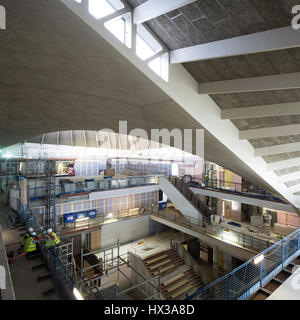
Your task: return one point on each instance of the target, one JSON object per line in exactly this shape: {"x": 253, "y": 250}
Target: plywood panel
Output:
{"x": 96, "y": 240}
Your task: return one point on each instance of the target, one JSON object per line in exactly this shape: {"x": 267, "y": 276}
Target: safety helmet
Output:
{"x": 33, "y": 233}
{"x": 30, "y": 229}
{"x": 49, "y": 230}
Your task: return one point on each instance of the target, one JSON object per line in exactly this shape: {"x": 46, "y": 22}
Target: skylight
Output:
{"x": 102, "y": 8}
{"x": 117, "y": 28}
{"x": 143, "y": 50}
{"x": 146, "y": 44}
{"x": 120, "y": 27}
{"x": 160, "y": 66}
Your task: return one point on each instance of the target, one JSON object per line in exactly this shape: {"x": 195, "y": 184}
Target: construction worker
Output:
{"x": 25, "y": 237}
{"x": 53, "y": 239}
{"x": 30, "y": 246}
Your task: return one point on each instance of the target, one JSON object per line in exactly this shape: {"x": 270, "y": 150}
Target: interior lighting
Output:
{"x": 259, "y": 259}
{"x": 77, "y": 294}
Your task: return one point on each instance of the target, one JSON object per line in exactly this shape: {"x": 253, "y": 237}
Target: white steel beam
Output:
{"x": 290, "y": 177}
{"x": 155, "y": 8}
{"x": 294, "y": 189}
{"x": 277, "y": 149}
{"x": 275, "y": 39}
{"x": 273, "y": 82}
{"x": 269, "y": 132}
{"x": 272, "y": 110}
{"x": 284, "y": 164}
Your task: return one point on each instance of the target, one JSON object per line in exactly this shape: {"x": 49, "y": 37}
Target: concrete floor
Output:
{"x": 156, "y": 243}
{"x": 246, "y": 227}
{"x": 23, "y": 277}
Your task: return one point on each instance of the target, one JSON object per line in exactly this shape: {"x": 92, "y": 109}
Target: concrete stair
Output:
{"x": 177, "y": 280}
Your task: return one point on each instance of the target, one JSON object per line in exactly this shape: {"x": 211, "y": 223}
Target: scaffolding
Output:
{"x": 112, "y": 260}
{"x": 50, "y": 214}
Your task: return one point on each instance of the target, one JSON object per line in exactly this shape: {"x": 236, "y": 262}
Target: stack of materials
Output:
{"x": 257, "y": 221}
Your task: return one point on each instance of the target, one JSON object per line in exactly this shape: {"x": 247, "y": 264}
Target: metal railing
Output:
{"x": 235, "y": 238}
{"x": 248, "y": 190}
{"x": 190, "y": 261}
{"x": 149, "y": 284}
{"x": 97, "y": 185}
{"x": 203, "y": 209}
{"x": 245, "y": 280}
{"x": 107, "y": 218}
{"x": 61, "y": 265}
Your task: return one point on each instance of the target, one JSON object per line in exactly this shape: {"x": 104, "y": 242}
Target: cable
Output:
{"x": 20, "y": 255}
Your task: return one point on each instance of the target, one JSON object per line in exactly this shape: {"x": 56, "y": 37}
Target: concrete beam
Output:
{"x": 290, "y": 177}
{"x": 275, "y": 39}
{"x": 155, "y": 8}
{"x": 273, "y": 82}
{"x": 233, "y": 249}
{"x": 281, "y": 131}
{"x": 284, "y": 164}
{"x": 277, "y": 149}
{"x": 246, "y": 200}
{"x": 272, "y": 110}
{"x": 294, "y": 189}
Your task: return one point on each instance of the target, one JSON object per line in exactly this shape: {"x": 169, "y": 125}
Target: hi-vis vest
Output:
{"x": 23, "y": 241}
{"x": 50, "y": 242}
{"x": 30, "y": 244}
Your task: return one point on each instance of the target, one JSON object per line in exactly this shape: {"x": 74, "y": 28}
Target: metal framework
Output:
{"x": 50, "y": 216}
{"x": 245, "y": 280}
{"x": 112, "y": 260}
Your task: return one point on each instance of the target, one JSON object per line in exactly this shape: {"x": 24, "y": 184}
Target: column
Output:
{"x": 216, "y": 261}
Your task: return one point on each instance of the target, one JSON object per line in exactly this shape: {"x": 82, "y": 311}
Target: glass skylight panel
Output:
{"x": 160, "y": 66}
{"x": 143, "y": 50}
{"x": 146, "y": 44}
{"x": 100, "y": 8}
{"x": 117, "y": 28}
{"x": 155, "y": 65}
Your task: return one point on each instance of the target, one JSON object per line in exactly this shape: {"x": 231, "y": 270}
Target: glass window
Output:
{"x": 143, "y": 50}
{"x": 117, "y": 28}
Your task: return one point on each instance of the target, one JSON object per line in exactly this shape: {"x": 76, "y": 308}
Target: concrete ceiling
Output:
{"x": 58, "y": 74}
{"x": 207, "y": 21}
{"x": 211, "y": 20}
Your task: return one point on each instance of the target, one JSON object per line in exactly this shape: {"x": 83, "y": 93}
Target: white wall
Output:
{"x": 126, "y": 231}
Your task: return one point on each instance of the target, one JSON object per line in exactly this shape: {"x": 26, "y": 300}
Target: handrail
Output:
{"x": 132, "y": 182}
{"x": 236, "y": 238}
{"x": 245, "y": 280}
{"x": 240, "y": 188}
{"x": 204, "y": 210}
{"x": 186, "y": 256}
{"x": 147, "y": 274}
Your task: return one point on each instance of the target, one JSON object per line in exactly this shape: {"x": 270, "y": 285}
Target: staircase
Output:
{"x": 204, "y": 211}
{"x": 176, "y": 279}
